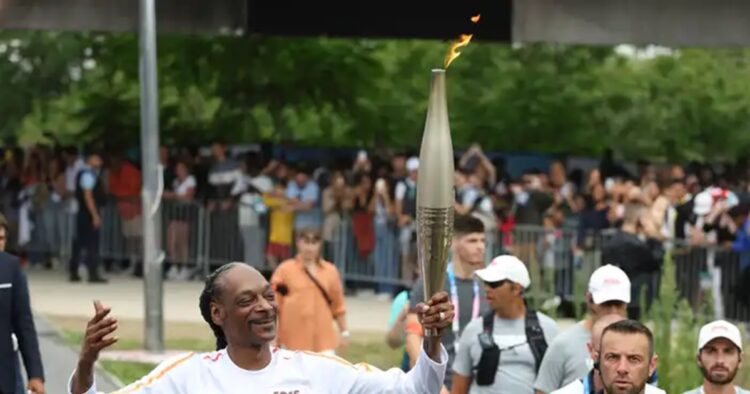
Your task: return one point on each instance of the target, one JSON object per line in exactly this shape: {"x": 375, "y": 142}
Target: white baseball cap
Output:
{"x": 719, "y": 329}
{"x": 505, "y": 267}
{"x": 412, "y": 164}
{"x": 609, "y": 283}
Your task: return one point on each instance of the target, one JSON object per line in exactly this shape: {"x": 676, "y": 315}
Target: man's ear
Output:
{"x": 652, "y": 366}
{"x": 589, "y": 302}
{"x": 590, "y": 347}
{"x": 217, "y": 314}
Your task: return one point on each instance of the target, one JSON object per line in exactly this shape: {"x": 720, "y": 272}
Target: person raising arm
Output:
{"x": 240, "y": 307}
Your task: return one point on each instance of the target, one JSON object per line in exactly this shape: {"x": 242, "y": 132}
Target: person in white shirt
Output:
{"x": 719, "y": 358}
{"x": 592, "y": 382}
{"x": 626, "y": 358}
{"x": 240, "y": 307}
{"x": 566, "y": 359}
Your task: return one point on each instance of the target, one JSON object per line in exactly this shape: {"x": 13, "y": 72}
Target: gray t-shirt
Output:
{"x": 517, "y": 370}
{"x": 565, "y": 360}
{"x": 699, "y": 390}
{"x": 465, "y": 289}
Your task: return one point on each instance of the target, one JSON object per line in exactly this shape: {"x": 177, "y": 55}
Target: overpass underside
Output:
{"x": 665, "y": 22}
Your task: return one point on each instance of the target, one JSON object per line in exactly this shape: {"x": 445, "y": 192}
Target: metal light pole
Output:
{"x": 152, "y": 180}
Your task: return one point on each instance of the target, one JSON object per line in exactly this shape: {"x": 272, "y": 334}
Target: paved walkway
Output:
{"x": 53, "y": 295}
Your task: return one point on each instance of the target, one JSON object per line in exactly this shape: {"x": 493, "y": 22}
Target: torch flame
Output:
{"x": 462, "y": 41}
{"x": 453, "y": 53}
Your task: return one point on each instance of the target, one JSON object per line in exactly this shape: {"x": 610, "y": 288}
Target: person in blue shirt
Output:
{"x": 396, "y": 336}
{"x": 304, "y": 195}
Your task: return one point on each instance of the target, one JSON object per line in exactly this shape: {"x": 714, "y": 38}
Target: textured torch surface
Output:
{"x": 435, "y": 195}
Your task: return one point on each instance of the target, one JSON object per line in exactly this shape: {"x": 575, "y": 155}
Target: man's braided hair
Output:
{"x": 210, "y": 293}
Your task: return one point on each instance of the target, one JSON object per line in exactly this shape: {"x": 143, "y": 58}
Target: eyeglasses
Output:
{"x": 495, "y": 285}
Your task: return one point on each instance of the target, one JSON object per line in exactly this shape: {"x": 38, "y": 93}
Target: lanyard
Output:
{"x": 588, "y": 383}
{"x": 454, "y": 300}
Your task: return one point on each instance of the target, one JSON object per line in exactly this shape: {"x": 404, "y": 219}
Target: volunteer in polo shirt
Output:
{"x": 566, "y": 359}
{"x": 719, "y": 358}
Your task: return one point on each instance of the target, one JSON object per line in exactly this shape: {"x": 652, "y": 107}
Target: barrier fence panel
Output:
{"x": 182, "y": 230}
{"x": 721, "y": 286}
{"x": 112, "y": 242}
{"x": 121, "y": 231}
{"x": 735, "y": 282}
{"x": 222, "y": 235}
{"x": 375, "y": 265}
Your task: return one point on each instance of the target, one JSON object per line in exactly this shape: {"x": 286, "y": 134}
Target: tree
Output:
{"x": 691, "y": 104}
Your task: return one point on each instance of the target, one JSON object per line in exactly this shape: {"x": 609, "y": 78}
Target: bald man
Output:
{"x": 583, "y": 385}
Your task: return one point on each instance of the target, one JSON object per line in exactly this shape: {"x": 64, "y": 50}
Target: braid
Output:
{"x": 209, "y": 294}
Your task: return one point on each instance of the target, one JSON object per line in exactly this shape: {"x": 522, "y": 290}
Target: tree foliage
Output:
{"x": 690, "y": 104}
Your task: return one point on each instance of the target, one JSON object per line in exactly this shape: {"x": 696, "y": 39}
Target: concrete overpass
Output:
{"x": 665, "y": 22}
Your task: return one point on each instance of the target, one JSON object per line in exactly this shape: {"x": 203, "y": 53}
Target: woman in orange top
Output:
{"x": 306, "y": 309}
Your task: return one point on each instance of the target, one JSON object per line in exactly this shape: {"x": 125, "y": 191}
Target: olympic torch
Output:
{"x": 435, "y": 192}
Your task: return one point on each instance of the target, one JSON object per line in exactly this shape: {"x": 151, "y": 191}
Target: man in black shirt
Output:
{"x": 636, "y": 249}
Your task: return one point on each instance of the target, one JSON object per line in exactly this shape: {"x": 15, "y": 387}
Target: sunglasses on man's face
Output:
{"x": 495, "y": 285}
{"x": 311, "y": 240}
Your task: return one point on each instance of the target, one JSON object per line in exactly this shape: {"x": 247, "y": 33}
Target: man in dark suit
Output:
{"x": 16, "y": 318}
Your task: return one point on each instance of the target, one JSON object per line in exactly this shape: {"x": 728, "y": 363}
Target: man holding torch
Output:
{"x": 240, "y": 307}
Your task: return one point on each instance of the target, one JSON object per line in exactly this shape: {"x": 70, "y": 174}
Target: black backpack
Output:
{"x": 490, "y": 359}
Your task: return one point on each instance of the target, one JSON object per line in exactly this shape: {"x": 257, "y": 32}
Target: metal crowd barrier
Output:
{"x": 204, "y": 236}
{"x": 379, "y": 269}
{"x": 183, "y": 232}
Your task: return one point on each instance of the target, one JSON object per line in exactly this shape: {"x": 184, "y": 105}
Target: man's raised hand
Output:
{"x": 98, "y": 333}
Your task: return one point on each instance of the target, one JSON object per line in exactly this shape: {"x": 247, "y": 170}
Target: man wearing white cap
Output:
{"x": 719, "y": 358}
{"x": 406, "y": 212}
{"x": 501, "y": 352}
{"x": 567, "y": 359}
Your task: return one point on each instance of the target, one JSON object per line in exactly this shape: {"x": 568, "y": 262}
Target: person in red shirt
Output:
{"x": 125, "y": 185}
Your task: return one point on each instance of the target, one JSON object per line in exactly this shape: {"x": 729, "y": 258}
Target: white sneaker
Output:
{"x": 184, "y": 274}
{"x": 173, "y": 272}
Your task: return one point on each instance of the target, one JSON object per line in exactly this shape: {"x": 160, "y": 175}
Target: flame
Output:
{"x": 462, "y": 41}
{"x": 453, "y": 53}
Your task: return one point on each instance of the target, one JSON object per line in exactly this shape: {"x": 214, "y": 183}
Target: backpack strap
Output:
{"x": 535, "y": 336}
{"x": 488, "y": 320}
{"x": 490, "y": 358}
